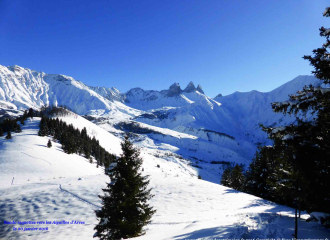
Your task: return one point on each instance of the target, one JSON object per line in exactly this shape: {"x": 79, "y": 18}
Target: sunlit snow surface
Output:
{"x": 47, "y": 187}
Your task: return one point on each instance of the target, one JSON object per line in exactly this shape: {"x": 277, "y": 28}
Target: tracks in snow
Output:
{"x": 66, "y": 191}
{"x": 38, "y": 159}
{"x": 59, "y": 185}
{"x": 76, "y": 196}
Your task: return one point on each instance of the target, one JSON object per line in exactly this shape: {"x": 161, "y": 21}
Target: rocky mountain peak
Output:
{"x": 219, "y": 95}
{"x": 174, "y": 89}
{"x": 190, "y": 87}
{"x": 199, "y": 89}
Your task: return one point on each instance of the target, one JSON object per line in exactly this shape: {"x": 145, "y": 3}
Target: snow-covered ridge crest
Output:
{"x": 25, "y": 88}
{"x": 172, "y": 97}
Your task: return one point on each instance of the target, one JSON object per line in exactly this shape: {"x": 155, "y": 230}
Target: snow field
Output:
{"x": 47, "y": 187}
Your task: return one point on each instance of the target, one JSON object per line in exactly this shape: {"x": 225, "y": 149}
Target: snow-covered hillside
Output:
{"x": 22, "y": 88}
{"x": 251, "y": 108}
{"x": 225, "y": 128}
{"x": 39, "y": 183}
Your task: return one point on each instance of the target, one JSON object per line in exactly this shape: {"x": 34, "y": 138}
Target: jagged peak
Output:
{"x": 200, "y": 89}
{"x": 174, "y": 89}
{"x": 190, "y": 87}
{"x": 219, "y": 95}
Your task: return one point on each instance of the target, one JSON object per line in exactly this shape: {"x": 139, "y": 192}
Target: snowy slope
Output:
{"x": 23, "y": 88}
{"x": 236, "y": 117}
{"x": 237, "y": 114}
{"x": 47, "y": 187}
{"x": 109, "y": 93}
{"x": 251, "y": 108}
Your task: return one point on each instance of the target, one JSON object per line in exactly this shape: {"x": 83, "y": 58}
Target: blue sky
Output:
{"x": 223, "y": 45}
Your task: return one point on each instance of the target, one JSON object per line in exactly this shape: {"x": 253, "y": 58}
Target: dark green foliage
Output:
{"x": 73, "y": 140}
{"x": 296, "y": 170}
{"x": 8, "y": 135}
{"x": 25, "y": 115}
{"x": 10, "y": 125}
{"x": 237, "y": 178}
{"x": 54, "y": 111}
{"x": 125, "y": 209}
{"x": 264, "y": 173}
{"x": 234, "y": 177}
{"x": 30, "y": 114}
{"x": 225, "y": 179}
{"x": 49, "y": 144}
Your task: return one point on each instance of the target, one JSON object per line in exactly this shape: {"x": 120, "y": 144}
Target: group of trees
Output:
{"x": 125, "y": 207}
{"x": 295, "y": 170}
{"x": 8, "y": 126}
{"x": 11, "y": 125}
{"x": 75, "y": 141}
{"x": 234, "y": 177}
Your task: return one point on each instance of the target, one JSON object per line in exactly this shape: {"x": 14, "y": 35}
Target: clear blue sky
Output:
{"x": 223, "y": 45}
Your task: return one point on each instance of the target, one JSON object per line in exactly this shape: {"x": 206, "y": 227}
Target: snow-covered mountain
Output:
{"x": 181, "y": 134}
{"x": 250, "y": 108}
{"x": 22, "y": 88}
{"x": 226, "y": 123}
{"x": 45, "y": 184}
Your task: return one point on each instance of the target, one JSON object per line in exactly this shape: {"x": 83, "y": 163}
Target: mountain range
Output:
{"x": 223, "y": 128}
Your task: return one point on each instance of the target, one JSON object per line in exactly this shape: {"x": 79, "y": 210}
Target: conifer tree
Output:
{"x": 8, "y": 135}
{"x": 225, "y": 179}
{"x": 49, "y": 144}
{"x": 304, "y": 146}
{"x": 30, "y": 114}
{"x": 237, "y": 178}
{"x": 264, "y": 174}
{"x": 125, "y": 209}
{"x": 25, "y": 115}
{"x": 309, "y": 140}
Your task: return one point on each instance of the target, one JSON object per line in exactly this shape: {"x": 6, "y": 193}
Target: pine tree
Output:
{"x": 125, "y": 209}
{"x": 25, "y": 115}
{"x": 8, "y": 135}
{"x": 225, "y": 179}
{"x": 30, "y": 114}
{"x": 305, "y": 145}
{"x": 237, "y": 178}
{"x": 49, "y": 144}
{"x": 309, "y": 140}
{"x": 1, "y": 132}
{"x": 263, "y": 174}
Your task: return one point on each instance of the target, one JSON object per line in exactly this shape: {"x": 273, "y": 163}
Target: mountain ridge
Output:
{"x": 187, "y": 111}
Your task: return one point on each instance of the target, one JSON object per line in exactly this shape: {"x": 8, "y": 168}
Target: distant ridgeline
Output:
{"x": 72, "y": 139}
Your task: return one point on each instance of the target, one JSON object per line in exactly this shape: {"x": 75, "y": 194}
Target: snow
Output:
{"x": 108, "y": 141}
{"x": 187, "y": 130}
{"x": 27, "y": 88}
{"x": 237, "y": 115}
{"x": 46, "y": 187}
